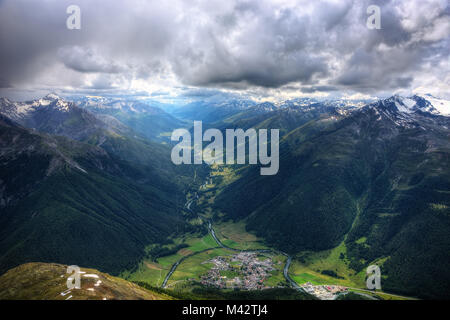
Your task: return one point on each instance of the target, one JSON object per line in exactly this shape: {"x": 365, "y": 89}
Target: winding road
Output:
{"x": 286, "y": 266}
{"x": 292, "y": 283}
{"x": 289, "y": 280}
{"x": 172, "y": 270}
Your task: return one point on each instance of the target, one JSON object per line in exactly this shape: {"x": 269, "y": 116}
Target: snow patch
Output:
{"x": 405, "y": 105}
{"x": 409, "y": 103}
{"x": 441, "y": 105}
{"x": 43, "y": 102}
{"x": 401, "y": 107}
{"x": 66, "y": 292}
{"x": 23, "y": 109}
{"x": 52, "y": 96}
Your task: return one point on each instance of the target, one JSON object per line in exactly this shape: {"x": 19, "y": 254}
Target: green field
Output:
{"x": 194, "y": 267}
{"x": 308, "y": 267}
{"x": 153, "y": 272}
{"x": 277, "y": 277}
{"x": 203, "y": 243}
{"x": 234, "y": 235}
{"x": 384, "y": 295}
{"x": 313, "y": 263}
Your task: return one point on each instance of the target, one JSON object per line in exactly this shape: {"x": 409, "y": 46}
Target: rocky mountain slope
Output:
{"x": 80, "y": 201}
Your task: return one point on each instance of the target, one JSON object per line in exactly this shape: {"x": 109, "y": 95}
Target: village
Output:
{"x": 248, "y": 271}
{"x": 324, "y": 292}
{"x": 244, "y": 270}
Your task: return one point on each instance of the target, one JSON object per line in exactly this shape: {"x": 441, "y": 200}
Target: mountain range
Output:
{"x": 147, "y": 119}
{"x": 75, "y": 188}
{"x": 375, "y": 177}
{"x": 89, "y": 181}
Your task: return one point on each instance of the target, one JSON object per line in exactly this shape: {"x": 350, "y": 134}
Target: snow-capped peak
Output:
{"x": 52, "y": 99}
{"x": 19, "y": 110}
{"x": 429, "y": 104}
{"x": 403, "y": 104}
{"x": 441, "y": 105}
{"x": 265, "y": 106}
{"x": 52, "y": 96}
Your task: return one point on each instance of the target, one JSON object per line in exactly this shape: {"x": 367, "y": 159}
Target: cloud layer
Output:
{"x": 263, "y": 46}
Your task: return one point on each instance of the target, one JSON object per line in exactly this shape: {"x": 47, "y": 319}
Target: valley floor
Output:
{"x": 229, "y": 257}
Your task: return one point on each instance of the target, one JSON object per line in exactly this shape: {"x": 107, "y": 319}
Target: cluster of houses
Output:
{"x": 324, "y": 292}
{"x": 248, "y": 272}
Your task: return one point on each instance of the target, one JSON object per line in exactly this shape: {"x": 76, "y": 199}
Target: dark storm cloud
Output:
{"x": 4, "y": 83}
{"x": 199, "y": 93}
{"x": 86, "y": 60}
{"x": 313, "y": 89}
{"x": 237, "y": 44}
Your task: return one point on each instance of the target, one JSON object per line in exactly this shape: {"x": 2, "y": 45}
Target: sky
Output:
{"x": 259, "y": 49}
